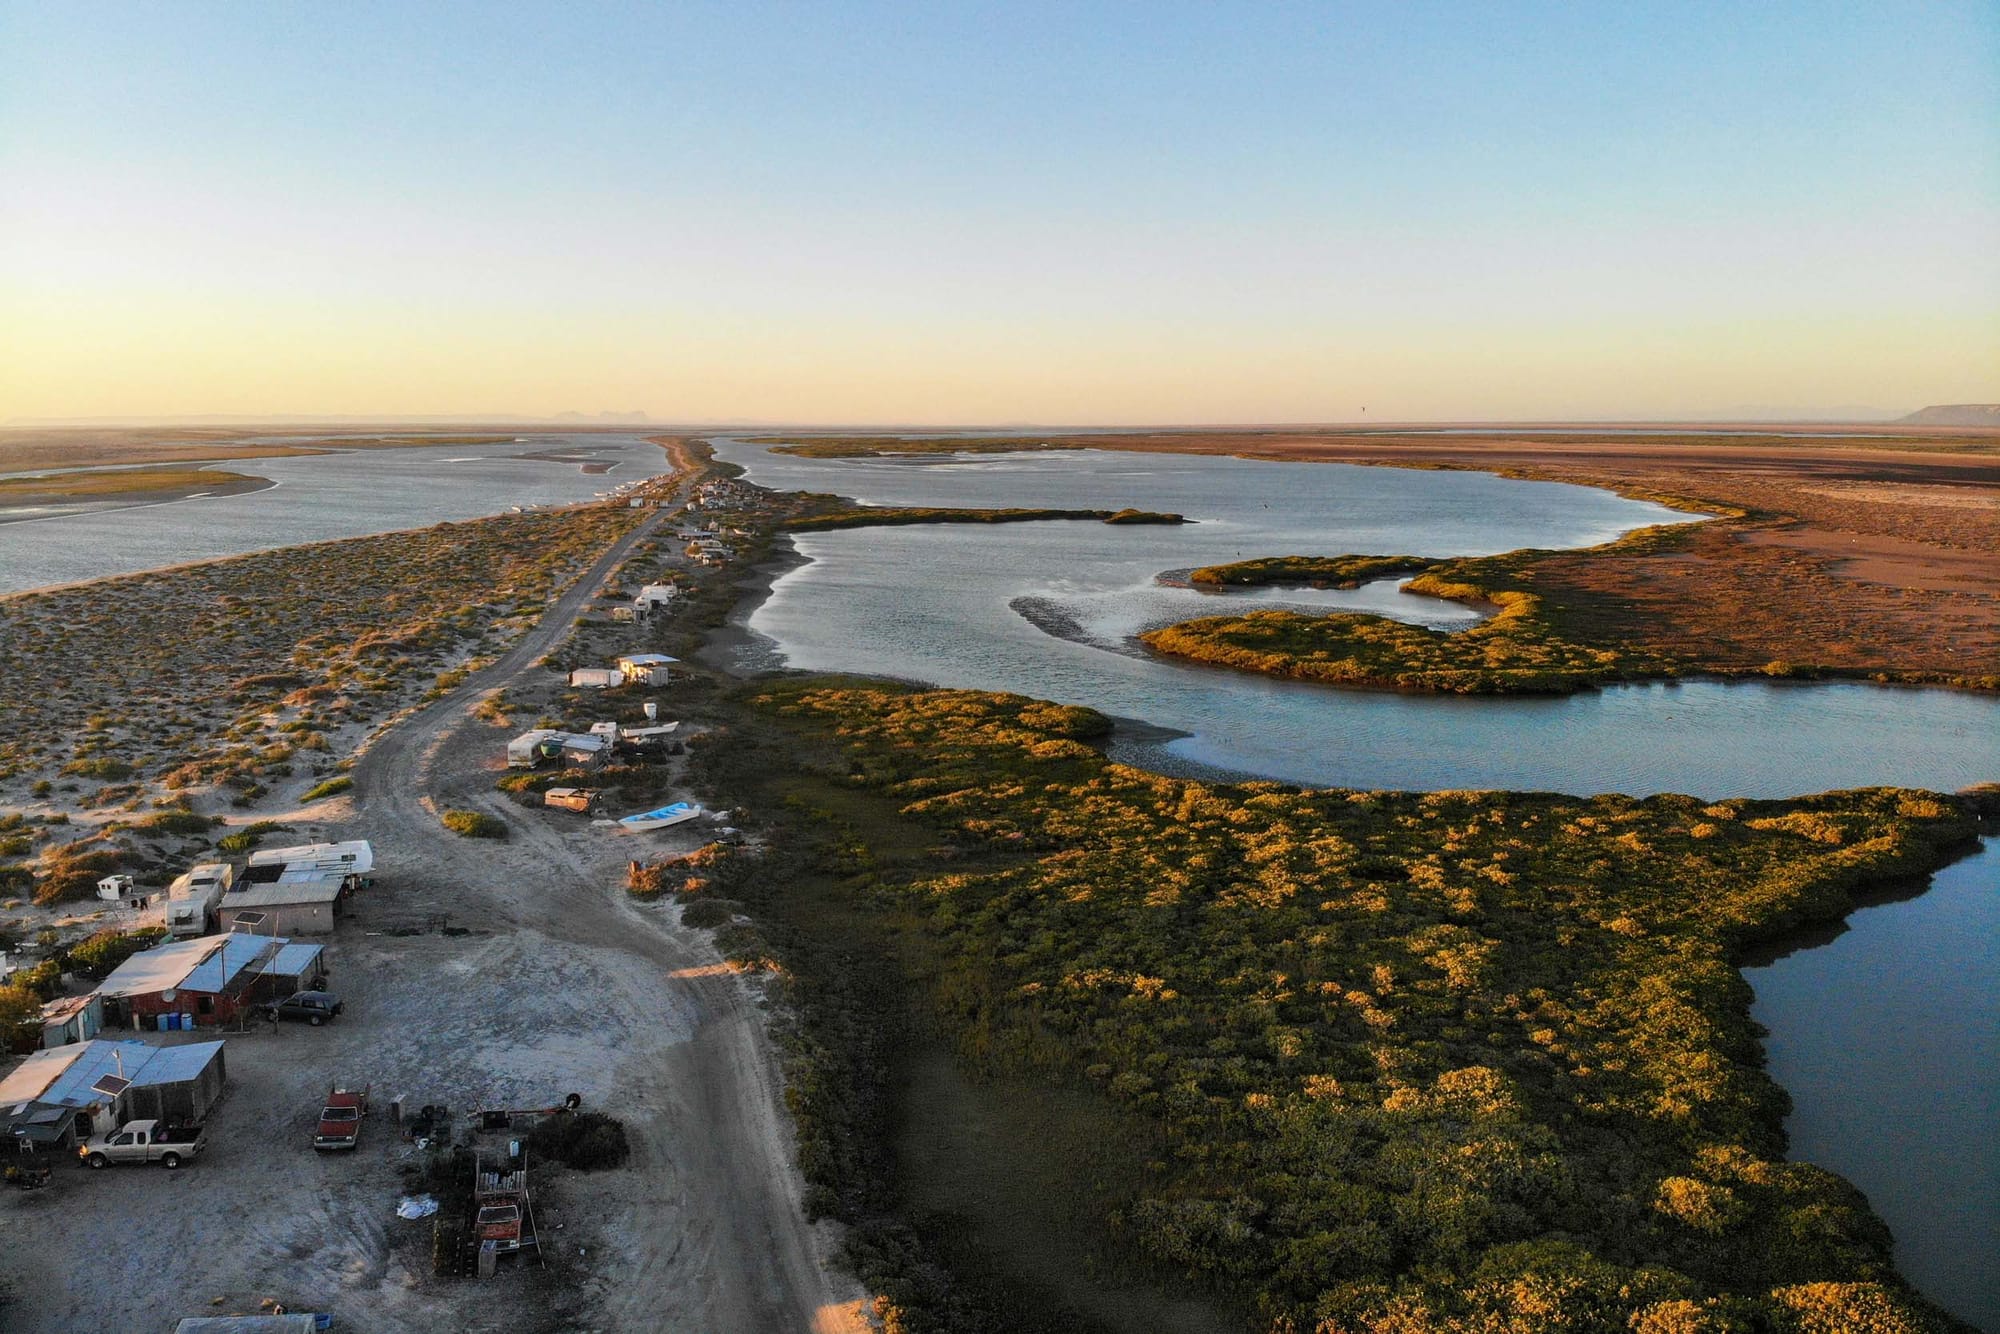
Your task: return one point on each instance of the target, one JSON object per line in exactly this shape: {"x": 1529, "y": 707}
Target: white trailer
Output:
{"x": 526, "y": 749}
{"x": 193, "y": 898}
{"x": 354, "y": 857}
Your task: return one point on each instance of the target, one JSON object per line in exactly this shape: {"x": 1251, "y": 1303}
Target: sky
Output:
{"x": 1066, "y": 213}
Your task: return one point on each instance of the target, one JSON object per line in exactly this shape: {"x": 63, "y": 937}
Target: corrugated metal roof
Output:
{"x": 238, "y": 952}
{"x": 177, "y": 1065}
{"x": 287, "y": 892}
{"x": 300, "y": 1323}
{"x": 645, "y": 660}
{"x": 66, "y": 1074}
{"x": 65, "y": 1007}
{"x": 295, "y": 960}
{"x": 29, "y": 1081}
{"x": 159, "y": 968}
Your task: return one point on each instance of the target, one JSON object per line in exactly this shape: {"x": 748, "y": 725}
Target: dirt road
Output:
{"x": 562, "y": 984}
{"x": 729, "y": 1247}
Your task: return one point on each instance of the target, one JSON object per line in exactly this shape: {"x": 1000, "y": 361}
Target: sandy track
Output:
{"x": 565, "y": 984}
{"x": 727, "y": 1246}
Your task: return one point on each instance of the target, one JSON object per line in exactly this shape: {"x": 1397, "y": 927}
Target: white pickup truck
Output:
{"x": 145, "y": 1142}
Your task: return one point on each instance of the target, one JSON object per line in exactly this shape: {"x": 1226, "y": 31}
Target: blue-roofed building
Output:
{"x": 177, "y": 1084}
{"x": 199, "y": 982}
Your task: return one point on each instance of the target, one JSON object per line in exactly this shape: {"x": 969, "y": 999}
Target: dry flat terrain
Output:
{"x": 563, "y": 984}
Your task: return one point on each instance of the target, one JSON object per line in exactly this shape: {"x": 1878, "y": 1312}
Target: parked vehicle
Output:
{"x": 193, "y": 898}
{"x": 500, "y": 1223}
{"x": 145, "y": 1142}
{"x": 315, "y": 1007}
{"x": 501, "y": 1196}
{"x": 340, "y": 1119}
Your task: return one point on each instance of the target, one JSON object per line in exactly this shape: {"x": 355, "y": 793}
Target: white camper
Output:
{"x": 525, "y": 750}
{"x": 193, "y": 898}
{"x": 354, "y": 857}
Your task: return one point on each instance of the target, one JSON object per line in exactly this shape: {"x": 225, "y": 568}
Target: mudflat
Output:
{"x": 35, "y": 497}
{"x": 24, "y": 448}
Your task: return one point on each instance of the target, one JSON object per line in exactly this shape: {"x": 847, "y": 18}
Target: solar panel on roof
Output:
{"x": 111, "y": 1085}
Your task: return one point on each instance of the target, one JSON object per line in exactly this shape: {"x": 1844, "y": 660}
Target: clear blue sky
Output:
{"x": 1022, "y": 212}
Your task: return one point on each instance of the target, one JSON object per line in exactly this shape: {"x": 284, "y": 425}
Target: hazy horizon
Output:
{"x": 1088, "y": 216}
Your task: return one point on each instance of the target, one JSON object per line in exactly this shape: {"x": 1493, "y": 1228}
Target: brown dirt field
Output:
{"x": 1854, "y": 557}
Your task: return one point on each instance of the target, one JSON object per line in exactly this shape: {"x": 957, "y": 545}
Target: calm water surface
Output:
{"x": 1049, "y": 609}
{"x": 1886, "y": 1038}
{"x": 319, "y": 498}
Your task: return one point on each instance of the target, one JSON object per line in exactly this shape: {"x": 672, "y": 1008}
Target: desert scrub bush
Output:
{"x": 246, "y": 838}
{"x": 100, "y": 767}
{"x": 587, "y": 1141}
{"x": 331, "y": 787}
{"x": 708, "y": 913}
{"x": 1394, "y": 1044}
{"x": 98, "y": 954}
{"x": 72, "y": 870}
{"x": 179, "y": 822}
{"x": 473, "y": 824}
{"x": 168, "y": 644}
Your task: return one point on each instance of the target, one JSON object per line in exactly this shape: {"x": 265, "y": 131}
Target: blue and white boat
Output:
{"x": 678, "y": 813}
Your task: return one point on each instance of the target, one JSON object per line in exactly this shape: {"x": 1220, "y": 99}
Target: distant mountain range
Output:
{"x": 1954, "y": 414}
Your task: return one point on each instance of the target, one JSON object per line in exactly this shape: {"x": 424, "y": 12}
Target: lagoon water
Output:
{"x": 1887, "y": 1038}
{"x": 319, "y": 498}
{"x": 1049, "y": 609}
{"x": 1886, "y": 1032}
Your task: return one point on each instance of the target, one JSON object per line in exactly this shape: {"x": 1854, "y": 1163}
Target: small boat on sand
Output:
{"x": 665, "y": 817}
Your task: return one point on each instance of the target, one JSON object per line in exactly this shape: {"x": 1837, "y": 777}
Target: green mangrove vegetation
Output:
{"x": 1531, "y": 644}
{"x": 1318, "y": 571}
{"x": 1462, "y": 1061}
{"x": 870, "y": 516}
{"x": 877, "y": 446}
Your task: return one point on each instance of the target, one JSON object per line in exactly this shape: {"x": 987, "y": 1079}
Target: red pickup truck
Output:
{"x": 501, "y": 1194}
{"x": 340, "y": 1118}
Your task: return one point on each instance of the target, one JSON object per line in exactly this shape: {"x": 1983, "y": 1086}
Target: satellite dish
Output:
{"x": 168, "y": 994}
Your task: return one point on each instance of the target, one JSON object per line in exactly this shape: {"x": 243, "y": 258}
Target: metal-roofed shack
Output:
{"x": 646, "y": 668}
{"x": 69, "y": 1019}
{"x": 177, "y": 1084}
{"x": 207, "y": 980}
{"x": 302, "y": 900}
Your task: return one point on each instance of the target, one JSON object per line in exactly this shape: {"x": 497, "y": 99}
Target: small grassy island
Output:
{"x": 1527, "y": 646}
{"x": 1317, "y": 571}
{"x": 874, "y": 516}
{"x": 1402, "y": 1061}
{"x": 123, "y": 486}
{"x": 888, "y": 446}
